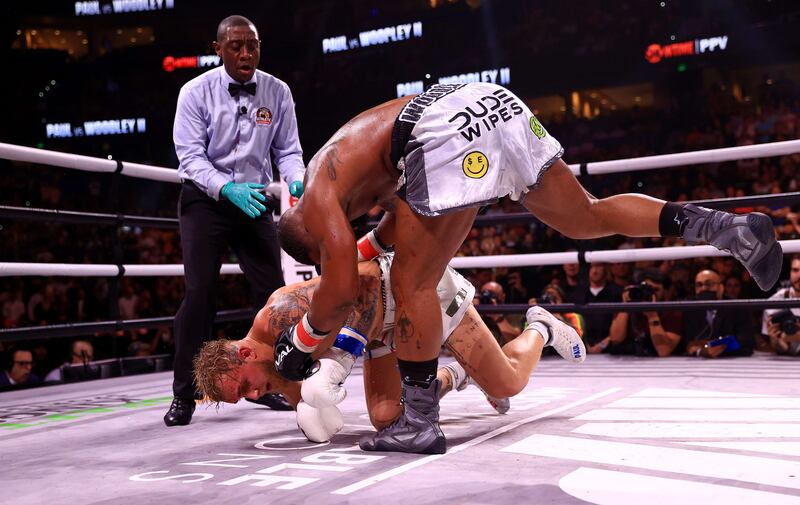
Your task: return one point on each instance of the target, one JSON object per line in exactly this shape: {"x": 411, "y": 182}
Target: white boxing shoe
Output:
{"x": 563, "y": 337}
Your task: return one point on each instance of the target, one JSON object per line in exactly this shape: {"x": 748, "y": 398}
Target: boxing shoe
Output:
{"x": 461, "y": 380}
{"x": 272, "y": 400}
{"x": 180, "y": 412}
{"x": 750, "y": 238}
{"x": 561, "y": 336}
{"x": 417, "y": 429}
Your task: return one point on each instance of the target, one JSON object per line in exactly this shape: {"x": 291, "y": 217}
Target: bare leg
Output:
{"x": 424, "y": 247}
{"x": 563, "y": 204}
{"x": 382, "y": 390}
{"x": 500, "y": 372}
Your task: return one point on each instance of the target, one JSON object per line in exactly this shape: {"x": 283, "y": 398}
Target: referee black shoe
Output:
{"x": 273, "y": 401}
{"x": 180, "y": 412}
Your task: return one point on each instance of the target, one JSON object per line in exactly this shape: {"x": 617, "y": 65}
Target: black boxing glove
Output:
{"x": 293, "y": 352}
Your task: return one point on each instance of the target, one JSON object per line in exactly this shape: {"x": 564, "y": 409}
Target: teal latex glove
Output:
{"x": 246, "y": 196}
{"x": 296, "y": 189}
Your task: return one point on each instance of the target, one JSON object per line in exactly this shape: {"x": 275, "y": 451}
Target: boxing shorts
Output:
{"x": 455, "y": 297}
{"x": 468, "y": 145}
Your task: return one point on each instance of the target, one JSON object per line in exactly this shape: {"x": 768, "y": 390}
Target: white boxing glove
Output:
{"x": 319, "y": 425}
{"x": 324, "y": 387}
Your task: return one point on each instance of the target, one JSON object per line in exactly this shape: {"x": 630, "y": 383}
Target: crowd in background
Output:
{"x": 771, "y": 115}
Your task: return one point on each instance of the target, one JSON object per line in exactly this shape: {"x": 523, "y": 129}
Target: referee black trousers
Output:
{"x": 208, "y": 227}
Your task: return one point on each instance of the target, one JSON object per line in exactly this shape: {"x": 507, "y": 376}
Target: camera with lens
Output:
{"x": 787, "y": 320}
{"x": 546, "y": 298}
{"x": 642, "y": 292}
{"x": 487, "y": 297}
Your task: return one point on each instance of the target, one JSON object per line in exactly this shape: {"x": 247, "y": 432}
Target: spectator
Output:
{"x": 572, "y": 281}
{"x": 621, "y": 273}
{"x": 18, "y": 369}
{"x": 128, "y": 301}
{"x": 733, "y": 287}
{"x": 81, "y": 352}
{"x": 713, "y": 333}
{"x": 600, "y": 290}
{"x": 13, "y": 309}
{"x": 492, "y": 293}
{"x": 646, "y": 333}
{"x": 517, "y": 289}
{"x": 781, "y": 325}
{"x": 552, "y": 293}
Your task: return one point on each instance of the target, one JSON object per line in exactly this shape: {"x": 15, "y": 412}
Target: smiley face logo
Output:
{"x": 475, "y": 165}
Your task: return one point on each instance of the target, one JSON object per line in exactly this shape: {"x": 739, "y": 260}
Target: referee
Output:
{"x": 231, "y": 124}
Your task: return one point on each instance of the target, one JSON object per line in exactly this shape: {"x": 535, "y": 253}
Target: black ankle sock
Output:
{"x": 418, "y": 373}
{"x": 672, "y": 220}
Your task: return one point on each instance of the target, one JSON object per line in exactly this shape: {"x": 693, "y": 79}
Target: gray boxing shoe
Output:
{"x": 750, "y": 238}
{"x": 417, "y": 429}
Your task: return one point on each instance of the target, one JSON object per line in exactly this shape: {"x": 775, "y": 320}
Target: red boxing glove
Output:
{"x": 369, "y": 247}
{"x": 305, "y": 337}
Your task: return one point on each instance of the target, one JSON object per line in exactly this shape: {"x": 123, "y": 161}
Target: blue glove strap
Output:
{"x": 348, "y": 343}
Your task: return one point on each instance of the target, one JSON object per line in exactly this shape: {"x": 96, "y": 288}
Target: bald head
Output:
{"x": 295, "y": 239}
{"x": 231, "y": 22}
{"x": 495, "y": 288}
{"x": 238, "y": 45}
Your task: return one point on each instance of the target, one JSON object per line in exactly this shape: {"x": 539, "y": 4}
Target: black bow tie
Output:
{"x": 234, "y": 89}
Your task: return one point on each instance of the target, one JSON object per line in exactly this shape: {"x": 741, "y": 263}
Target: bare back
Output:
{"x": 354, "y": 166}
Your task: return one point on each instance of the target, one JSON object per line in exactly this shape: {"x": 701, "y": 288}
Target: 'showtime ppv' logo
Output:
{"x": 657, "y": 52}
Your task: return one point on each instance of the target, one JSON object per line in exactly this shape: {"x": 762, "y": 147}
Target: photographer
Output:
{"x": 646, "y": 333}
{"x": 714, "y": 333}
{"x": 781, "y": 325}
{"x": 492, "y": 293}
{"x": 600, "y": 290}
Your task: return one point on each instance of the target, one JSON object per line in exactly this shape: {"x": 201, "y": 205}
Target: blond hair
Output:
{"x": 215, "y": 359}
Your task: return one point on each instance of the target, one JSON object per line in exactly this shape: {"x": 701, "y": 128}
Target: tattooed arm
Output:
{"x": 288, "y": 304}
{"x": 369, "y": 304}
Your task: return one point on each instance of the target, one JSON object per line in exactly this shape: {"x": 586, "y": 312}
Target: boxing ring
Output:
{"x": 610, "y": 431}
{"x": 613, "y": 430}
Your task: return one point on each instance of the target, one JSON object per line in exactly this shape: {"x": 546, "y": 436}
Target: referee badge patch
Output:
{"x": 263, "y": 116}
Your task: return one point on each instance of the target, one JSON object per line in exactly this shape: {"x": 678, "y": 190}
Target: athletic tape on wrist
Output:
{"x": 369, "y": 247}
{"x": 306, "y": 335}
{"x": 350, "y": 340}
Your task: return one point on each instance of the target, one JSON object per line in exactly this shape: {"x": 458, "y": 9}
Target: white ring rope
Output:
{"x": 82, "y": 270}
{"x": 499, "y": 261}
{"x": 88, "y": 163}
{"x": 617, "y": 256}
{"x": 690, "y": 158}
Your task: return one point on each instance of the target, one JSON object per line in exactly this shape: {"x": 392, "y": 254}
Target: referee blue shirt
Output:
{"x": 221, "y": 138}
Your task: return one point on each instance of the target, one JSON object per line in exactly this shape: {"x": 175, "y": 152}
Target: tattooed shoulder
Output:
{"x": 288, "y": 308}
